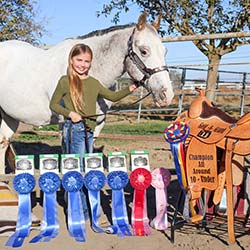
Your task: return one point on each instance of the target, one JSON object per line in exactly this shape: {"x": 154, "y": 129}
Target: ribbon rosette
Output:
{"x": 72, "y": 182}
{"x": 49, "y": 183}
{"x": 117, "y": 180}
{"x": 175, "y": 134}
{"x": 160, "y": 180}
{"x": 140, "y": 180}
{"x": 94, "y": 181}
{"x": 23, "y": 183}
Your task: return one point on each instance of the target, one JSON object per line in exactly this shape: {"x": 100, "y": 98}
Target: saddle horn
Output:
{"x": 196, "y": 106}
{"x": 200, "y": 91}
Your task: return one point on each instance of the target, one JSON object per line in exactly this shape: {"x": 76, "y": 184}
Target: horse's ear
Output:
{"x": 142, "y": 20}
{"x": 156, "y": 24}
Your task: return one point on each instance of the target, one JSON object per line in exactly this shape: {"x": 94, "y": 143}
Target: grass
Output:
{"x": 54, "y": 127}
{"x": 143, "y": 128}
{"x": 27, "y": 137}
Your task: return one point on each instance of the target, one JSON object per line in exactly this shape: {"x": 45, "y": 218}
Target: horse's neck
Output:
{"x": 109, "y": 54}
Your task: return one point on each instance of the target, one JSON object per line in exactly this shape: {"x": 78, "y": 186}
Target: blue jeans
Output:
{"x": 75, "y": 142}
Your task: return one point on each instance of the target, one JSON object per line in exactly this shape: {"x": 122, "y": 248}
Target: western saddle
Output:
{"x": 212, "y": 129}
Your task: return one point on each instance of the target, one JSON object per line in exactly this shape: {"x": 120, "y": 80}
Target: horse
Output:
{"x": 28, "y": 74}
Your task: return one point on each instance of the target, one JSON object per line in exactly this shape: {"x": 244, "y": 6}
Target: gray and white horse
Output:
{"x": 28, "y": 75}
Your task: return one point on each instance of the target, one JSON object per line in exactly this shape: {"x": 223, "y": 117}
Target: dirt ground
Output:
{"x": 186, "y": 237}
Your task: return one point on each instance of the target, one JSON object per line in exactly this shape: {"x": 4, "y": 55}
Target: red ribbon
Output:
{"x": 140, "y": 180}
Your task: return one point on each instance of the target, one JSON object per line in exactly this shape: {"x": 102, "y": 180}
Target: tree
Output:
{"x": 191, "y": 17}
{"x": 17, "y": 21}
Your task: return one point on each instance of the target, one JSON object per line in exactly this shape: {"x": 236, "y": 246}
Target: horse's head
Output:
{"x": 145, "y": 61}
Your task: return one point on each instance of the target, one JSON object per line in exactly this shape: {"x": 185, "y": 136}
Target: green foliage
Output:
{"x": 189, "y": 16}
{"x": 17, "y": 21}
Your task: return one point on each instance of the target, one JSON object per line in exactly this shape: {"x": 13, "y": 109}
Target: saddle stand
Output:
{"x": 213, "y": 131}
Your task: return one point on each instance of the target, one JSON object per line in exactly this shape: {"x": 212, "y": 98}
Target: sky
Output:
{"x": 66, "y": 19}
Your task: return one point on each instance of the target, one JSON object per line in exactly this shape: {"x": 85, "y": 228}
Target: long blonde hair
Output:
{"x": 75, "y": 86}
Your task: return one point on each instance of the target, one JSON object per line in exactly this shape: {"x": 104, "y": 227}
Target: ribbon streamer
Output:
{"x": 23, "y": 183}
{"x": 49, "y": 183}
{"x": 175, "y": 134}
{"x": 161, "y": 178}
{"x": 72, "y": 182}
{"x": 94, "y": 181}
{"x": 117, "y": 180}
{"x": 140, "y": 180}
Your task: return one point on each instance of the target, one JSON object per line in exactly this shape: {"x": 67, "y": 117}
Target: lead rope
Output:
{"x": 114, "y": 112}
{"x": 110, "y": 113}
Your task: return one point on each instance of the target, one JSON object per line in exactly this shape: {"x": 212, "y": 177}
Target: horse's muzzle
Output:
{"x": 164, "y": 98}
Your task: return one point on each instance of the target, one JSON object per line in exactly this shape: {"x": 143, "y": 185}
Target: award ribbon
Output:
{"x": 94, "y": 181}
{"x": 117, "y": 180}
{"x": 140, "y": 180}
{"x": 49, "y": 183}
{"x": 72, "y": 182}
{"x": 161, "y": 178}
{"x": 175, "y": 134}
{"x": 23, "y": 183}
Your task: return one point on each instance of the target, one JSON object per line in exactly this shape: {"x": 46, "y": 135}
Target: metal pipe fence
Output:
{"x": 232, "y": 93}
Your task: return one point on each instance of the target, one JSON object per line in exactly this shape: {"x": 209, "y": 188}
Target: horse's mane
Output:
{"x": 105, "y": 31}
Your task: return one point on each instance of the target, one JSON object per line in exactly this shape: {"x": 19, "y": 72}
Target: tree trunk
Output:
{"x": 212, "y": 76}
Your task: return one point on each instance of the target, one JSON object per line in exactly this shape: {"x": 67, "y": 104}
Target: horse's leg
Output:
{"x": 7, "y": 128}
{"x": 100, "y": 124}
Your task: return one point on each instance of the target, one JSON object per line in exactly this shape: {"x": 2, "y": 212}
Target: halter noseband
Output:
{"x": 147, "y": 72}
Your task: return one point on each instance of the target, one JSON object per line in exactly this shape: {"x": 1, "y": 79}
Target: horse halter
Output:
{"x": 147, "y": 72}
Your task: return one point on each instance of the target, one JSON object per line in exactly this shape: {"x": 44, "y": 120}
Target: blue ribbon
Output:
{"x": 23, "y": 183}
{"x": 49, "y": 183}
{"x": 175, "y": 149}
{"x": 94, "y": 181}
{"x": 117, "y": 180}
{"x": 72, "y": 182}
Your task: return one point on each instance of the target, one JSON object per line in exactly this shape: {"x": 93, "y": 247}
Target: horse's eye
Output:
{"x": 143, "y": 52}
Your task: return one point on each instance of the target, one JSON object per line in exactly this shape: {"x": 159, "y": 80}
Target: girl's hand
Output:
{"x": 132, "y": 87}
{"x": 75, "y": 117}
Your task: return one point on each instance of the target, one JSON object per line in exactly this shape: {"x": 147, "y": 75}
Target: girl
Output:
{"x": 79, "y": 92}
